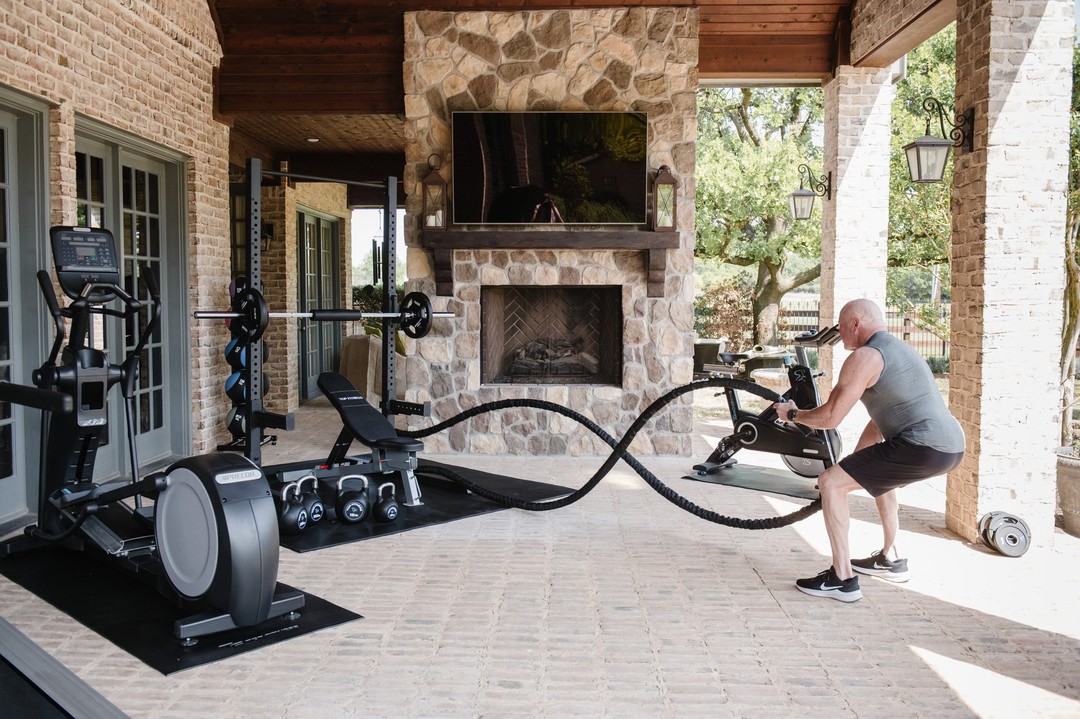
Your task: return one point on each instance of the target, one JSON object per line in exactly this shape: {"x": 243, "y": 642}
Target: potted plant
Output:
{"x": 1068, "y": 461}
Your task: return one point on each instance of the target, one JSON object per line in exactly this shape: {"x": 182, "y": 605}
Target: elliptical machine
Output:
{"x": 208, "y": 538}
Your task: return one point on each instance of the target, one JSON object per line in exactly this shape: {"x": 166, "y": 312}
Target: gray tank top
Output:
{"x": 905, "y": 401}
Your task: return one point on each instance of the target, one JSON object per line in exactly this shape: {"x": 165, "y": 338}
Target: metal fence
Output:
{"x": 801, "y": 315}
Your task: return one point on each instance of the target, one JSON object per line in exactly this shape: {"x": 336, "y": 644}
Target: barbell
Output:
{"x": 250, "y": 316}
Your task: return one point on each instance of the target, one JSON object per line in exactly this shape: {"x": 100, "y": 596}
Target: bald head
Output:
{"x": 859, "y": 320}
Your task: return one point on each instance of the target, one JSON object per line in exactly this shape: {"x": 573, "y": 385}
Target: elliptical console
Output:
{"x": 211, "y": 531}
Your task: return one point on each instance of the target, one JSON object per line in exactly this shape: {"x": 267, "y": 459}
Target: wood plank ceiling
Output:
{"x": 332, "y": 69}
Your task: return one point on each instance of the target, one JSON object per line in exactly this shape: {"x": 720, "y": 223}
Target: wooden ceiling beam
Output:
{"x": 370, "y": 101}
{"x": 780, "y": 56}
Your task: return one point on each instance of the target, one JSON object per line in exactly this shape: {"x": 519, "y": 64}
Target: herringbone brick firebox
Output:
{"x": 551, "y": 335}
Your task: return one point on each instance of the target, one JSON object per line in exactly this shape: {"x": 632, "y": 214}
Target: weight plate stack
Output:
{"x": 1005, "y": 533}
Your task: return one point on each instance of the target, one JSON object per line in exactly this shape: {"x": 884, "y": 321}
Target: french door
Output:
{"x": 318, "y": 287}
{"x": 129, "y": 195}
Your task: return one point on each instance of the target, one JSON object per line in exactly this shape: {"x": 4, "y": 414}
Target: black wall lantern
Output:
{"x": 433, "y": 192}
{"x": 664, "y": 200}
{"x": 801, "y": 202}
{"x": 926, "y": 157}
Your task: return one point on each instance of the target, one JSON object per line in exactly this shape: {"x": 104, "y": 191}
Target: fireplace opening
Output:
{"x": 551, "y": 335}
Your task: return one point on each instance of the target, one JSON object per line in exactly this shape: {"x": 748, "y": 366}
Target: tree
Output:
{"x": 1071, "y": 329}
{"x": 750, "y": 144}
{"x": 920, "y": 216}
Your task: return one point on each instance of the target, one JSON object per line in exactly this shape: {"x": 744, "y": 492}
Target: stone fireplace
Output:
{"x": 598, "y": 319}
{"x": 551, "y": 335}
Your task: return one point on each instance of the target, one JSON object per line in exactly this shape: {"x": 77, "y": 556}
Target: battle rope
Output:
{"x": 618, "y": 452}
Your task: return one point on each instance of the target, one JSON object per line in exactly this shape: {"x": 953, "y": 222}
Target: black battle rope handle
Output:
{"x": 618, "y": 452}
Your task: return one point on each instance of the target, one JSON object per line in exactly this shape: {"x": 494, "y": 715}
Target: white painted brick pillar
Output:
{"x": 1013, "y": 63}
{"x": 855, "y": 223}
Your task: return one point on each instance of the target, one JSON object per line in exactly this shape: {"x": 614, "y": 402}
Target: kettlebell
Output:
{"x": 310, "y": 499}
{"x": 386, "y": 509}
{"x": 292, "y": 515}
{"x": 352, "y": 504}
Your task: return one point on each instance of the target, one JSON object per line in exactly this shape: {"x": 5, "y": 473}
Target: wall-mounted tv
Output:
{"x": 583, "y": 168}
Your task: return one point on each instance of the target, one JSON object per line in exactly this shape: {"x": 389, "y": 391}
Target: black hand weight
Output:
{"x": 352, "y": 504}
{"x": 292, "y": 515}
{"x": 310, "y": 499}
{"x": 386, "y": 509}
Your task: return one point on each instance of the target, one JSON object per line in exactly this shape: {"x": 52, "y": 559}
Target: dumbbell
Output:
{"x": 352, "y": 505}
{"x": 292, "y": 514}
{"x": 310, "y": 500}
{"x": 386, "y": 507}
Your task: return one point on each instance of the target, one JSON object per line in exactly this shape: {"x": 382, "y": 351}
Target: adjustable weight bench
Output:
{"x": 365, "y": 424}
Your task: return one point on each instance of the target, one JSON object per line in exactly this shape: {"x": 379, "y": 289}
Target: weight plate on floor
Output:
{"x": 984, "y": 525}
{"x": 1009, "y": 534}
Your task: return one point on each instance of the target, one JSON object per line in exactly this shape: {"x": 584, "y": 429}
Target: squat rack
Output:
{"x": 255, "y": 416}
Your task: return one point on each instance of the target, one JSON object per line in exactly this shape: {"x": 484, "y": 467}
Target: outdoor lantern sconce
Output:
{"x": 434, "y": 196}
{"x": 926, "y": 157}
{"x": 801, "y": 201}
{"x": 664, "y": 194}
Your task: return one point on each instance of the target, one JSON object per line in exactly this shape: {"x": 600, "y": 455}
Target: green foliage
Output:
{"x": 368, "y": 298}
{"x": 751, "y": 142}
{"x": 938, "y": 364}
{"x": 920, "y": 218}
{"x": 723, "y": 309}
{"x": 750, "y": 145}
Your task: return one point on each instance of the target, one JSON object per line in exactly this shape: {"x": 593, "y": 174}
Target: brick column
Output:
{"x": 855, "y": 223}
{"x": 1012, "y": 66}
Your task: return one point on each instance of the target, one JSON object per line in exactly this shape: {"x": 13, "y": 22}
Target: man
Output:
{"x": 910, "y": 436}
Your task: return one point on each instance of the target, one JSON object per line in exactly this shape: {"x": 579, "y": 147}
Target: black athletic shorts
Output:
{"x": 894, "y": 463}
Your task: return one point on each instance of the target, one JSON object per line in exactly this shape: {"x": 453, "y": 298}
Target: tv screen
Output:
{"x": 558, "y": 167}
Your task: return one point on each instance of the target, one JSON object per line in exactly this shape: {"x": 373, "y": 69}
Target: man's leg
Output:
{"x": 835, "y": 484}
{"x": 887, "y": 506}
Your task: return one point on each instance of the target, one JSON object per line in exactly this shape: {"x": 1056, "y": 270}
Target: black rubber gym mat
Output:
{"x": 443, "y": 501}
{"x": 763, "y": 479}
{"x": 139, "y": 620}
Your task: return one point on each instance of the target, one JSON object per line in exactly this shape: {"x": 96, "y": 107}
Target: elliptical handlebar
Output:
{"x": 43, "y": 399}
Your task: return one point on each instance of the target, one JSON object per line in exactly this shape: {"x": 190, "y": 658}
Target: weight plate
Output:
{"x": 1010, "y": 536}
{"x": 416, "y": 315}
{"x": 984, "y": 526}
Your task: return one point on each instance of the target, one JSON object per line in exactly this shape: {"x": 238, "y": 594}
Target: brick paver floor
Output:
{"x": 624, "y": 606}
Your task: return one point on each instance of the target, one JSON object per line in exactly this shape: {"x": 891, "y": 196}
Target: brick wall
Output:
{"x": 145, "y": 68}
{"x": 1012, "y": 65}
{"x": 281, "y": 277}
{"x": 883, "y": 30}
{"x": 855, "y": 223}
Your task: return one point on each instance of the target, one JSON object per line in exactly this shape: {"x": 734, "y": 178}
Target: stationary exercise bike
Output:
{"x": 806, "y": 452}
{"x": 204, "y": 531}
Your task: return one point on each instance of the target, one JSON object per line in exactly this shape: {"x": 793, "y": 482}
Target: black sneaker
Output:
{"x": 827, "y": 584}
{"x": 879, "y": 565}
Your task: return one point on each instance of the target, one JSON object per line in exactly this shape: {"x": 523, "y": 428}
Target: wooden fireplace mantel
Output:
{"x": 655, "y": 245}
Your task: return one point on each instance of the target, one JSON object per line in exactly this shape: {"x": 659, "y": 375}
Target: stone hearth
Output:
{"x": 639, "y": 59}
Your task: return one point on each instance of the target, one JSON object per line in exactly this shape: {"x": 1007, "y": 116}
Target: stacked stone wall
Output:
{"x": 617, "y": 59}
{"x": 144, "y": 68}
